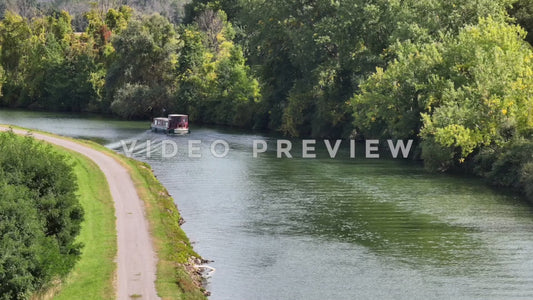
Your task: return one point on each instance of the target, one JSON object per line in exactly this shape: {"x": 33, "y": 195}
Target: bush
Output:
{"x": 526, "y": 180}
{"x": 507, "y": 169}
{"x": 436, "y": 157}
{"x": 134, "y": 101}
{"x": 508, "y": 166}
{"x": 19, "y": 229}
{"x": 40, "y": 216}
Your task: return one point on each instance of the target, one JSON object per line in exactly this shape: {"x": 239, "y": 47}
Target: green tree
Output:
{"x": 193, "y": 89}
{"x": 98, "y": 34}
{"x": 491, "y": 100}
{"x": 145, "y": 57}
{"x": 215, "y": 85}
{"x": 60, "y": 66}
{"x": 195, "y": 8}
{"x": 312, "y": 55}
{"x": 462, "y": 94}
{"x": 47, "y": 65}
{"x": 117, "y": 20}
{"x": 2, "y": 80}
{"x": 20, "y": 228}
{"x": 15, "y": 38}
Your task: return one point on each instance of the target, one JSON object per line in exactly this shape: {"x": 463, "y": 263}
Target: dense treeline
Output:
{"x": 311, "y": 56}
{"x": 454, "y": 75}
{"x": 468, "y": 99}
{"x": 40, "y": 216}
{"x": 171, "y": 9}
{"x": 135, "y": 66}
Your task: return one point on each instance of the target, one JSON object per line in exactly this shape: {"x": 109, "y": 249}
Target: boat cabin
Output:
{"x": 174, "y": 124}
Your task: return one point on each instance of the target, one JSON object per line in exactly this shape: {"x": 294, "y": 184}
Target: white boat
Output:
{"x": 173, "y": 124}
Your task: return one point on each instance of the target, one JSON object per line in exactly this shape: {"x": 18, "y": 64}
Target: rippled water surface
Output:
{"x": 328, "y": 228}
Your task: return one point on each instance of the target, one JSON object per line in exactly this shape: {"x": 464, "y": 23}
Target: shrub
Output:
{"x": 508, "y": 167}
{"x": 526, "y": 180}
{"x": 19, "y": 229}
{"x": 436, "y": 157}
{"x": 40, "y": 216}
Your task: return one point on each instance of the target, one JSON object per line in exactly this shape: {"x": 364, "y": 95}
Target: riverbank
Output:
{"x": 93, "y": 276}
{"x": 176, "y": 277}
{"x": 388, "y": 228}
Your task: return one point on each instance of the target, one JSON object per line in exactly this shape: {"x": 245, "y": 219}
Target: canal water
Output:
{"x": 326, "y": 228}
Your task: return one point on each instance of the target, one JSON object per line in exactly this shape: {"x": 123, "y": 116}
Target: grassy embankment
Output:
{"x": 174, "y": 250}
{"x": 93, "y": 275}
{"x": 171, "y": 243}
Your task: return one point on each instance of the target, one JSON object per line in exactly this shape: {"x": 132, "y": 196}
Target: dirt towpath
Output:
{"x": 136, "y": 260}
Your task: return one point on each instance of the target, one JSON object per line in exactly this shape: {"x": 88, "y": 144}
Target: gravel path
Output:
{"x": 136, "y": 260}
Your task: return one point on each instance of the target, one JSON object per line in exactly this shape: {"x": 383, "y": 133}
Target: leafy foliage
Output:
{"x": 214, "y": 82}
{"x": 469, "y": 91}
{"x": 40, "y": 216}
{"x": 522, "y": 11}
{"x": 46, "y": 65}
{"x": 311, "y": 56}
{"x": 20, "y": 229}
{"x": 132, "y": 66}
{"x": 171, "y": 9}
{"x": 467, "y": 97}
{"x": 143, "y": 62}
{"x": 455, "y": 75}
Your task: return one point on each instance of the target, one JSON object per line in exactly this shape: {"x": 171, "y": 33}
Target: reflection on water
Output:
{"x": 331, "y": 229}
{"x": 89, "y": 127}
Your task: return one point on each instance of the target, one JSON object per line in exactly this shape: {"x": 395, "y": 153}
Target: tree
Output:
{"x": 196, "y": 8}
{"x": 491, "y": 100}
{"x": 20, "y": 228}
{"x": 15, "y": 39}
{"x": 2, "y": 79}
{"x": 146, "y": 54}
{"x": 311, "y": 56}
{"x": 215, "y": 85}
{"x": 47, "y": 65}
{"x": 462, "y": 94}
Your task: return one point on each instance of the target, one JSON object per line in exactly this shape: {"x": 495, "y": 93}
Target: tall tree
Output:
{"x": 215, "y": 85}
{"x": 15, "y": 38}
{"x": 312, "y": 55}
{"x": 459, "y": 95}
{"x": 140, "y": 80}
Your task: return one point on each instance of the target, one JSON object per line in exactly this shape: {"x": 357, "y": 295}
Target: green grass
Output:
{"x": 171, "y": 244}
{"x": 92, "y": 277}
